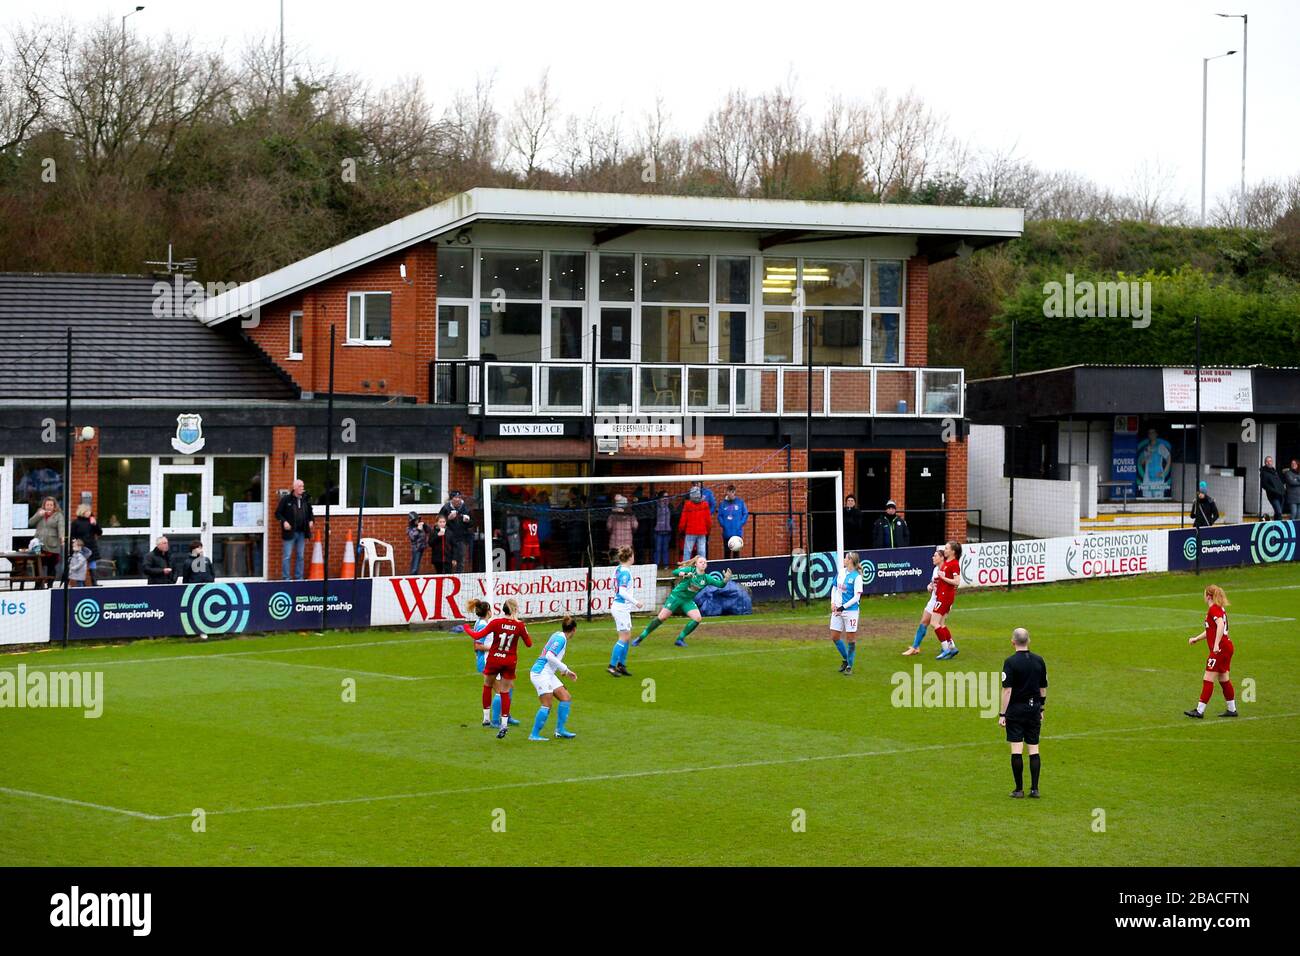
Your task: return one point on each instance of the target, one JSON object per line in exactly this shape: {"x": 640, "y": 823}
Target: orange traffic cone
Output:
{"x": 317, "y": 572}
{"x": 349, "y": 558}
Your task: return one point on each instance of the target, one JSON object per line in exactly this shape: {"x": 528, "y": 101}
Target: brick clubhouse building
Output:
{"x": 501, "y": 333}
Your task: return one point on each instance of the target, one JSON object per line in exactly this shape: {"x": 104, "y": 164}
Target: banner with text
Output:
{"x": 25, "y": 617}
{"x": 542, "y": 593}
{"x": 1265, "y": 542}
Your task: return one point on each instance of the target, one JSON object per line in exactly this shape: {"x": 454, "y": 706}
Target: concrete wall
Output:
{"x": 1043, "y": 508}
{"x": 1226, "y": 490}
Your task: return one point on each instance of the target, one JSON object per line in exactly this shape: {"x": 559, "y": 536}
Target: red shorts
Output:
{"x": 1221, "y": 662}
{"x": 531, "y": 551}
{"x": 942, "y": 609}
{"x": 503, "y": 669}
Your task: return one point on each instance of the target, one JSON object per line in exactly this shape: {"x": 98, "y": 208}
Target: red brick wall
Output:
{"x": 85, "y": 472}
{"x": 917, "y": 313}
{"x": 401, "y": 368}
{"x": 955, "y": 523}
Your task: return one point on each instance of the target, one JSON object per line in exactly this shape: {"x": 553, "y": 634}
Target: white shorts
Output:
{"x": 546, "y": 682}
{"x": 622, "y": 618}
{"x": 844, "y": 621}
{"x": 931, "y": 604}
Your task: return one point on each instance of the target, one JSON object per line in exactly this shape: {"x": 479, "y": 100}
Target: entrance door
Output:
{"x": 927, "y": 476}
{"x": 182, "y": 510}
{"x": 821, "y": 499}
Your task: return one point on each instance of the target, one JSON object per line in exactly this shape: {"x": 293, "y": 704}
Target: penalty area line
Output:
{"x": 677, "y": 771}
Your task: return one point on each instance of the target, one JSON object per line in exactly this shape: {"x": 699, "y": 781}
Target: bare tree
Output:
{"x": 722, "y": 151}
{"x": 23, "y": 66}
{"x": 530, "y": 132}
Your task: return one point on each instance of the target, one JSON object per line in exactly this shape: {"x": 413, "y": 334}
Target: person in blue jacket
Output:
{"x": 732, "y": 515}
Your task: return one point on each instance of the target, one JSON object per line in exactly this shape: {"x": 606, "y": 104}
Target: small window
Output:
{"x": 295, "y": 335}
{"x": 421, "y": 481}
{"x": 568, "y": 276}
{"x": 370, "y": 317}
{"x": 887, "y": 283}
{"x": 455, "y": 273}
{"x": 320, "y": 483}
{"x": 617, "y": 279}
{"x": 374, "y": 474}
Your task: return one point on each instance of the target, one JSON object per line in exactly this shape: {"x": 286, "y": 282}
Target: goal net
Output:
{"x": 567, "y": 531}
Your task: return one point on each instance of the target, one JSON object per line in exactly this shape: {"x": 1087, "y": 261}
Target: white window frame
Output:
{"x": 363, "y": 341}
{"x": 295, "y": 320}
{"x": 397, "y": 507}
{"x": 899, "y": 310}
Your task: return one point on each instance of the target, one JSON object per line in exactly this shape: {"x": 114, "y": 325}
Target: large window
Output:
{"x": 392, "y": 483}
{"x": 125, "y": 490}
{"x": 370, "y": 318}
{"x": 35, "y": 479}
{"x": 239, "y": 496}
{"x": 319, "y": 484}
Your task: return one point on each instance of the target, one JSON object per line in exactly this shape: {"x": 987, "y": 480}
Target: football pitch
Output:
{"x": 745, "y": 748}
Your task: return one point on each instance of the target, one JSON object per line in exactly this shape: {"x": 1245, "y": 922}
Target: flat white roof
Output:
{"x": 608, "y": 210}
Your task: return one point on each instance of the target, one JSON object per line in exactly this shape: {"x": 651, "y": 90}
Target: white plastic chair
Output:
{"x": 374, "y": 553}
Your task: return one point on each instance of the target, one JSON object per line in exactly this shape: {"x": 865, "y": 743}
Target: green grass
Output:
{"x": 743, "y": 730}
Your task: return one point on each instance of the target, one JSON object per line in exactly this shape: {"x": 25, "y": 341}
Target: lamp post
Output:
{"x": 1205, "y": 112}
{"x": 1244, "y": 25}
{"x": 131, "y": 14}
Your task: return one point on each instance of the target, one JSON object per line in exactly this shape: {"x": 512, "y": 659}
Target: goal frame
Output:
{"x": 490, "y": 483}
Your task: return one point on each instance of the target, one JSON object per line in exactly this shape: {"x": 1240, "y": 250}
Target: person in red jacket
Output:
{"x": 694, "y": 525}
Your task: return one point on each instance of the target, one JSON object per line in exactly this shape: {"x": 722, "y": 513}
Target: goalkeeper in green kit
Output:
{"x": 691, "y": 579}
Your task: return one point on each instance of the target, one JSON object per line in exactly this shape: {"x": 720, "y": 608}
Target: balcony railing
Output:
{"x": 564, "y": 388}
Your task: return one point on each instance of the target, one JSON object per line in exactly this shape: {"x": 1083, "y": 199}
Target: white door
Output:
{"x": 181, "y": 509}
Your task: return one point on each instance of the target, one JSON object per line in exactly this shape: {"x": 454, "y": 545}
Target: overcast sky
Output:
{"x": 1096, "y": 86}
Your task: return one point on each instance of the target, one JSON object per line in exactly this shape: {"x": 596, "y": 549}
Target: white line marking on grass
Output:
{"x": 82, "y": 803}
{"x": 675, "y": 771}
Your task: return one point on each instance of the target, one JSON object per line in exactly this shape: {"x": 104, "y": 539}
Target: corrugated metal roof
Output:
{"x": 120, "y": 349}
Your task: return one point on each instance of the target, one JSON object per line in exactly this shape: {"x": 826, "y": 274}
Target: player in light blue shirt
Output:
{"x": 545, "y": 675}
{"x": 621, "y": 606}
{"x": 845, "y": 597}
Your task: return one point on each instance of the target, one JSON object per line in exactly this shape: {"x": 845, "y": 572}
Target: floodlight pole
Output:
{"x": 329, "y": 458}
{"x": 67, "y": 487}
{"x": 1196, "y": 485}
{"x": 1011, "y": 470}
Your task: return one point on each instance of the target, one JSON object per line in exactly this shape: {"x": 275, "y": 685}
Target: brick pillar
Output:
{"x": 280, "y": 477}
{"x": 897, "y": 479}
{"x": 955, "y": 492}
{"x": 423, "y": 261}
{"x": 917, "y": 312}
{"x": 85, "y": 472}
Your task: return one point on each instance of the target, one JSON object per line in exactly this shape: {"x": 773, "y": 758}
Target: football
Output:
{"x": 735, "y": 542}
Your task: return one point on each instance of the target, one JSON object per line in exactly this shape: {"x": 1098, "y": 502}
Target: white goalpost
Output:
{"x": 490, "y": 483}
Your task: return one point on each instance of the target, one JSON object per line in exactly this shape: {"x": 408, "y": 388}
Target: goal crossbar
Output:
{"x": 490, "y": 483}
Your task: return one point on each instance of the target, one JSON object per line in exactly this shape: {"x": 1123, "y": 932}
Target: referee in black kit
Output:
{"x": 1024, "y": 698}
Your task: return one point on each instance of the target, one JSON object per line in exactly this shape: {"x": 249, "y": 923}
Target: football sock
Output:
{"x": 1034, "y": 766}
{"x": 945, "y": 636}
{"x": 1229, "y": 695}
{"x": 1207, "y": 691}
{"x": 540, "y": 720}
{"x": 844, "y": 652}
{"x": 1018, "y": 770}
{"x": 487, "y": 715}
{"x": 615, "y": 653}
{"x": 853, "y": 651}
{"x": 690, "y": 626}
{"x": 920, "y": 635}
{"x": 496, "y": 708}
{"x": 623, "y": 648}
{"x": 562, "y": 721}
{"x": 487, "y": 696}
{"x": 650, "y": 626}
{"x": 505, "y": 708}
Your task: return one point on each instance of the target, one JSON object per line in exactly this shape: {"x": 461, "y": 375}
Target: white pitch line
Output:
{"x": 675, "y": 771}
{"x": 81, "y": 803}
{"x": 240, "y": 659}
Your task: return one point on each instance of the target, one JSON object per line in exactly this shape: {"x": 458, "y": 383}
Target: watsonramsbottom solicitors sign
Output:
{"x": 448, "y": 597}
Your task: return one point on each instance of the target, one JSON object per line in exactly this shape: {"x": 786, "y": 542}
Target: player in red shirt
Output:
{"x": 504, "y": 635}
{"x": 530, "y": 549}
{"x": 1219, "y": 660}
{"x": 946, "y": 584}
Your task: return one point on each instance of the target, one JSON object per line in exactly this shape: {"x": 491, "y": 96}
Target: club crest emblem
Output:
{"x": 189, "y": 434}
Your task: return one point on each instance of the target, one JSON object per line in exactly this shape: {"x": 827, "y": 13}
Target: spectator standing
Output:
{"x": 417, "y": 533}
{"x": 460, "y": 531}
{"x": 50, "y": 526}
{"x": 1270, "y": 482}
{"x": 439, "y": 546}
{"x": 621, "y": 525}
{"x": 297, "y": 522}
{"x": 854, "y": 537}
{"x": 78, "y": 564}
{"x": 157, "y": 564}
{"x": 733, "y": 514}
{"x": 1204, "y": 511}
{"x": 663, "y": 529}
{"x": 199, "y": 569}
{"x": 890, "y": 529}
{"x": 694, "y": 524}
{"x": 86, "y": 528}
{"x": 1291, "y": 479}
{"x": 644, "y": 511}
